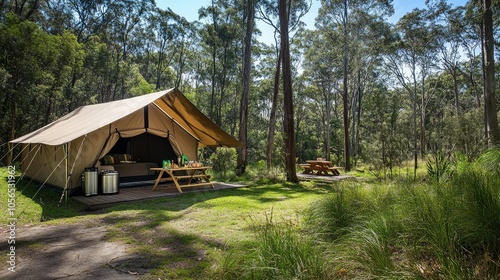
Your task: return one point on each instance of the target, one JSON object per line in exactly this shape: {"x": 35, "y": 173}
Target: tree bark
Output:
{"x": 345, "y": 96}
{"x": 10, "y": 154}
{"x": 328, "y": 127}
{"x": 272, "y": 118}
{"x": 288, "y": 122}
{"x": 243, "y": 133}
{"x": 489, "y": 81}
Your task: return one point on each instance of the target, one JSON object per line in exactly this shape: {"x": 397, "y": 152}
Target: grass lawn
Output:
{"x": 183, "y": 237}
{"x": 442, "y": 225}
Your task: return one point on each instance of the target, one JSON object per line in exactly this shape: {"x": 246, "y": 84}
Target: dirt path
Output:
{"x": 74, "y": 251}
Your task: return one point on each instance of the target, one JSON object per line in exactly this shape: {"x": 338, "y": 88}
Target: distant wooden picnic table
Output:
{"x": 320, "y": 167}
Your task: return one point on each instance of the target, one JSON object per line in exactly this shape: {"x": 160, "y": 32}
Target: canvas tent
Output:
{"x": 59, "y": 152}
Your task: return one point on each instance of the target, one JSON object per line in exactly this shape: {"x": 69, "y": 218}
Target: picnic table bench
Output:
{"x": 190, "y": 173}
{"x": 320, "y": 167}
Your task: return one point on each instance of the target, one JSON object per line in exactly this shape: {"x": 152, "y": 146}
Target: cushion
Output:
{"x": 108, "y": 159}
{"x": 122, "y": 157}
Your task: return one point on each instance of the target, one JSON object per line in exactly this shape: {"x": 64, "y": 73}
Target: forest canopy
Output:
{"x": 365, "y": 91}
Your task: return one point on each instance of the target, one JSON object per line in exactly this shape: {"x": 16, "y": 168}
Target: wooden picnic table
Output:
{"x": 321, "y": 167}
{"x": 190, "y": 173}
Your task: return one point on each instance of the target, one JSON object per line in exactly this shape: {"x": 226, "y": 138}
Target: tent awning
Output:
{"x": 87, "y": 119}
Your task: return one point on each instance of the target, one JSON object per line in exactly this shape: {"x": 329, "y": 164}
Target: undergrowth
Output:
{"x": 440, "y": 229}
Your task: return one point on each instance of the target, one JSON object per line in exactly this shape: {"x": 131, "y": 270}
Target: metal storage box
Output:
{"x": 110, "y": 182}
{"x": 89, "y": 181}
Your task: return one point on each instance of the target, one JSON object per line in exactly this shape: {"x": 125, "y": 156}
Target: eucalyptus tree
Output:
{"x": 34, "y": 67}
{"x": 169, "y": 46}
{"x": 384, "y": 128}
{"x": 449, "y": 48}
{"x": 88, "y": 17}
{"x": 288, "y": 121}
{"x": 221, "y": 38}
{"x": 458, "y": 59}
{"x": 339, "y": 15}
{"x": 111, "y": 28}
{"x": 24, "y": 10}
{"x": 321, "y": 58}
{"x": 184, "y": 45}
{"x": 261, "y": 104}
{"x": 247, "y": 65}
{"x": 470, "y": 39}
{"x": 493, "y": 132}
{"x": 268, "y": 12}
{"x": 127, "y": 17}
{"x": 412, "y": 62}
{"x": 370, "y": 35}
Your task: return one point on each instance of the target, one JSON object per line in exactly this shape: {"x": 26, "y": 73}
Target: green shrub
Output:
{"x": 479, "y": 210}
{"x": 280, "y": 251}
{"x": 439, "y": 167}
{"x": 283, "y": 253}
{"x": 373, "y": 248}
{"x": 454, "y": 226}
{"x": 489, "y": 161}
{"x": 334, "y": 215}
{"x": 223, "y": 161}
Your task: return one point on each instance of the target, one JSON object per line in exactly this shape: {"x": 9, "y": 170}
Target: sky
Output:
{"x": 189, "y": 10}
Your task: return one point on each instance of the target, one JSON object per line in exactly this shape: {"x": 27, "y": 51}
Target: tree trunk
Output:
{"x": 180, "y": 71}
{"x": 455, "y": 92}
{"x": 288, "y": 122}
{"x": 489, "y": 81}
{"x": 346, "y": 97}
{"x": 415, "y": 137}
{"x": 272, "y": 118}
{"x": 358, "y": 121}
{"x": 354, "y": 111}
{"x": 423, "y": 119}
{"x": 212, "y": 97}
{"x": 10, "y": 154}
{"x": 328, "y": 128}
{"x": 243, "y": 151}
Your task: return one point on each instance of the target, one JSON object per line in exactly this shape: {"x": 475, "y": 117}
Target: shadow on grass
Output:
{"x": 170, "y": 254}
{"x": 45, "y": 201}
{"x": 37, "y": 205}
{"x": 169, "y": 251}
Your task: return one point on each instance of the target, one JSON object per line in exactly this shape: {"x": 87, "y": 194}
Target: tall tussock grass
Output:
{"x": 333, "y": 216}
{"x": 439, "y": 229}
{"x": 443, "y": 229}
{"x": 281, "y": 251}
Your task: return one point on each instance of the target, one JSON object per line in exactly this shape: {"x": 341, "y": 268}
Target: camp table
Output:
{"x": 322, "y": 167}
{"x": 191, "y": 173}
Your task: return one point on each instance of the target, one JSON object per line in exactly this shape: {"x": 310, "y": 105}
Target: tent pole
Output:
{"x": 69, "y": 173}
{"x": 66, "y": 172}
{"x": 68, "y": 146}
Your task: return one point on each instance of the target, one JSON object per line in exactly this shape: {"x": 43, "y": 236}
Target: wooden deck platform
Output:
{"x": 134, "y": 194}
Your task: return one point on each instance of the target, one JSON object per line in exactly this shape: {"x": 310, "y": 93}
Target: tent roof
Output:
{"x": 87, "y": 119}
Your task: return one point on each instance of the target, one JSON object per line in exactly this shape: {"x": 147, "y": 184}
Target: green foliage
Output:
{"x": 478, "y": 206}
{"x": 374, "y": 252}
{"x": 439, "y": 167}
{"x": 36, "y": 68}
{"x": 281, "y": 251}
{"x": 396, "y": 230}
{"x": 445, "y": 229}
{"x": 336, "y": 214}
{"x": 489, "y": 161}
{"x": 223, "y": 160}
